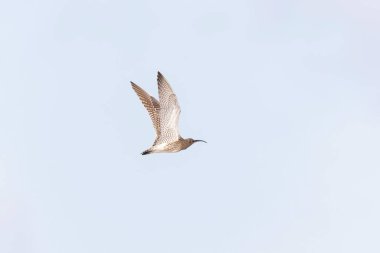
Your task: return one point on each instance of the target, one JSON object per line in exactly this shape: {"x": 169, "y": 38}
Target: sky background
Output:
{"x": 287, "y": 94}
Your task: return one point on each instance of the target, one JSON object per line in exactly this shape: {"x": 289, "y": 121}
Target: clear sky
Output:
{"x": 287, "y": 94}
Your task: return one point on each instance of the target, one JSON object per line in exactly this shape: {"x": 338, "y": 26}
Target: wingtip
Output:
{"x": 134, "y": 86}
{"x": 146, "y": 152}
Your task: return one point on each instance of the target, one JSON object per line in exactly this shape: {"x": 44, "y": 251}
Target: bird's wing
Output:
{"x": 164, "y": 90}
{"x": 151, "y": 104}
{"x": 155, "y": 103}
{"x": 169, "y": 112}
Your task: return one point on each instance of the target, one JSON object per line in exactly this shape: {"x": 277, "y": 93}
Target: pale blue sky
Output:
{"x": 287, "y": 94}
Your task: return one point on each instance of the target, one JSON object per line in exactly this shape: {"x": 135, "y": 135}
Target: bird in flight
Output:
{"x": 164, "y": 114}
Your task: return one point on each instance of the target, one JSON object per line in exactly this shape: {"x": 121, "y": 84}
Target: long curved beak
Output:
{"x": 200, "y": 140}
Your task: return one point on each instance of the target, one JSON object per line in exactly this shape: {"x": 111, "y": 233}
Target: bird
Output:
{"x": 164, "y": 114}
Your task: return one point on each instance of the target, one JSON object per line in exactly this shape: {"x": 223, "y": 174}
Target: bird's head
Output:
{"x": 192, "y": 141}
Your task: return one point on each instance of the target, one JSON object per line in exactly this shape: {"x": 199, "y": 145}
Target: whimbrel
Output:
{"x": 165, "y": 116}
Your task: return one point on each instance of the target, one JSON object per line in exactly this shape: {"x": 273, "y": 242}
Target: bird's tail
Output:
{"x": 146, "y": 152}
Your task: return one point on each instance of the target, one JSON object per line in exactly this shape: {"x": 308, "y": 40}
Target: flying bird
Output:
{"x": 164, "y": 114}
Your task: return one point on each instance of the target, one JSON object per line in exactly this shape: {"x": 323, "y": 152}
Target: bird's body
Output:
{"x": 171, "y": 147}
{"x": 165, "y": 116}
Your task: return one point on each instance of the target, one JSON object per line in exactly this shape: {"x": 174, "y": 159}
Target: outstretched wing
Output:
{"x": 169, "y": 112}
{"x": 151, "y": 104}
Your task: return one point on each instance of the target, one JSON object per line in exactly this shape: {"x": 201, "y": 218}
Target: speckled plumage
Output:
{"x": 165, "y": 116}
